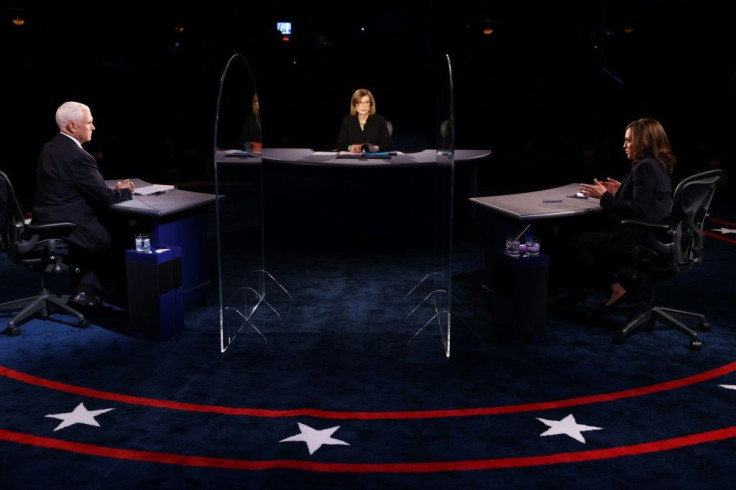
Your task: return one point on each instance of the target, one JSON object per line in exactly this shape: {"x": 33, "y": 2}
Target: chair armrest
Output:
{"x": 61, "y": 228}
{"x": 28, "y": 237}
{"x": 645, "y": 225}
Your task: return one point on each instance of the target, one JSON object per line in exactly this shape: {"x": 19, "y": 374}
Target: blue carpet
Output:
{"x": 380, "y": 406}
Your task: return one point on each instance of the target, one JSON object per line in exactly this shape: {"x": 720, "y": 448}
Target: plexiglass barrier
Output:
{"x": 309, "y": 232}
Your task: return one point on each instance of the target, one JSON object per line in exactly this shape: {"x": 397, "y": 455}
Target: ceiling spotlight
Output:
{"x": 19, "y": 21}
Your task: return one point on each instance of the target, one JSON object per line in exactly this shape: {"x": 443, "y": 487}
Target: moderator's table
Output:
{"x": 315, "y": 196}
{"x": 307, "y": 156}
{"x": 176, "y": 217}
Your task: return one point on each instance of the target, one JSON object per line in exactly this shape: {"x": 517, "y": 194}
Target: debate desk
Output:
{"x": 175, "y": 217}
{"x": 312, "y": 196}
{"x": 519, "y": 286}
{"x": 512, "y": 213}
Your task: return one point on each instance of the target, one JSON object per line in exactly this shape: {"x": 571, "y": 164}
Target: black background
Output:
{"x": 549, "y": 91}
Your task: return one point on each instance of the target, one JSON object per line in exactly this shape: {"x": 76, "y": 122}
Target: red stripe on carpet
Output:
{"x": 419, "y": 467}
{"x": 721, "y": 221}
{"x": 720, "y": 237}
{"x": 358, "y": 415}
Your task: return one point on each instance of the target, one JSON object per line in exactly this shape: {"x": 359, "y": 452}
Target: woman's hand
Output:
{"x": 356, "y": 148}
{"x": 594, "y": 190}
{"x": 610, "y": 184}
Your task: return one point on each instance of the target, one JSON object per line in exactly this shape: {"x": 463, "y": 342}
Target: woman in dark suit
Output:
{"x": 363, "y": 126}
{"x": 69, "y": 187}
{"x": 645, "y": 193}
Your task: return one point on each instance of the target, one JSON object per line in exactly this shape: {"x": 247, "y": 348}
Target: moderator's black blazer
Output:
{"x": 375, "y": 132}
{"x": 251, "y": 130}
{"x": 69, "y": 187}
{"x": 645, "y": 193}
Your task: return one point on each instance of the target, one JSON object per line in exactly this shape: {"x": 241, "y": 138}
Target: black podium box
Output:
{"x": 519, "y": 297}
{"x": 155, "y": 293}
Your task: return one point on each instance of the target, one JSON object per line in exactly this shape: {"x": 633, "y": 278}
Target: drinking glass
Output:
{"x": 512, "y": 246}
{"x": 143, "y": 242}
{"x": 532, "y": 246}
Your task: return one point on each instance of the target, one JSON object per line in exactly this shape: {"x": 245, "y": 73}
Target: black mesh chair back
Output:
{"x": 673, "y": 247}
{"x": 38, "y": 247}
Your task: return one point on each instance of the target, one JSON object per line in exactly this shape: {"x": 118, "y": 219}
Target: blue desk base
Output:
{"x": 189, "y": 233}
{"x": 155, "y": 297}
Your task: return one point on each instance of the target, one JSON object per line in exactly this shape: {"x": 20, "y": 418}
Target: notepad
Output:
{"x": 153, "y": 189}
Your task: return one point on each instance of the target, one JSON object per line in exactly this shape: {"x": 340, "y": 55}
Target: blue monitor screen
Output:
{"x": 284, "y": 27}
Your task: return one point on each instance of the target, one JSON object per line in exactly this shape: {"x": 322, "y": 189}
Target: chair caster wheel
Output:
{"x": 704, "y": 326}
{"x": 619, "y": 339}
{"x": 695, "y": 344}
{"x": 83, "y": 323}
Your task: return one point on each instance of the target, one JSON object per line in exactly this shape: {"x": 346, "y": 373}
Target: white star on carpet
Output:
{"x": 567, "y": 426}
{"x": 724, "y": 231}
{"x": 80, "y": 415}
{"x": 728, "y": 387}
{"x": 315, "y": 438}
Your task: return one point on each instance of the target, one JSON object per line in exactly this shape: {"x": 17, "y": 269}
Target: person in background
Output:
{"x": 645, "y": 193}
{"x": 363, "y": 126}
{"x": 251, "y": 134}
{"x": 69, "y": 187}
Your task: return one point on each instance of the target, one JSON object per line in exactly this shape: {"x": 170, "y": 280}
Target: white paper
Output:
{"x": 152, "y": 189}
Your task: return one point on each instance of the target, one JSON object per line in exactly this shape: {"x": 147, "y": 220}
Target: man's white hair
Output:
{"x": 70, "y": 111}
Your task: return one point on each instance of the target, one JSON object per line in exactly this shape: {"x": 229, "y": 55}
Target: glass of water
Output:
{"x": 532, "y": 246}
{"x": 512, "y": 246}
{"x": 143, "y": 242}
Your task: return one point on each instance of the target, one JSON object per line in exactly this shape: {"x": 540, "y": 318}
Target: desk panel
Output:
{"x": 176, "y": 217}
{"x": 315, "y": 195}
{"x": 512, "y": 213}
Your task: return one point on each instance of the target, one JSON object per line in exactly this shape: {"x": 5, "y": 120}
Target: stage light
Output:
{"x": 19, "y": 21}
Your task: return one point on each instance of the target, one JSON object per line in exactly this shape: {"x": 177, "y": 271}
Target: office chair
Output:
{"x": 40, "y": 248}
{"x": 676, "y": 246}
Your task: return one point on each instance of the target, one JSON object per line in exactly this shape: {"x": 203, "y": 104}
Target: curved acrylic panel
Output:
{"x": 238, "y": 208}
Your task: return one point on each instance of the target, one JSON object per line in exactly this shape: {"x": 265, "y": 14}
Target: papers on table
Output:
{"x": 152, "y": 189}
{"x": 240, "y": 153}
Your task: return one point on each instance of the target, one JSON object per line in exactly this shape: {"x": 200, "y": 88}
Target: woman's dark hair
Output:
{"x": 650, "y": 141}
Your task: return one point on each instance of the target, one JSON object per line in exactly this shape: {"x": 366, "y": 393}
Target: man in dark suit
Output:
{"x": 69, "y": 187}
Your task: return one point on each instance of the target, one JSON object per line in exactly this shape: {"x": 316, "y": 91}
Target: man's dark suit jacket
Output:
{"x": 69, "y": 187}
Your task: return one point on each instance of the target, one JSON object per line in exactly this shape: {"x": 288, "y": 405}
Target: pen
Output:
{"x": 552, "y": 200}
